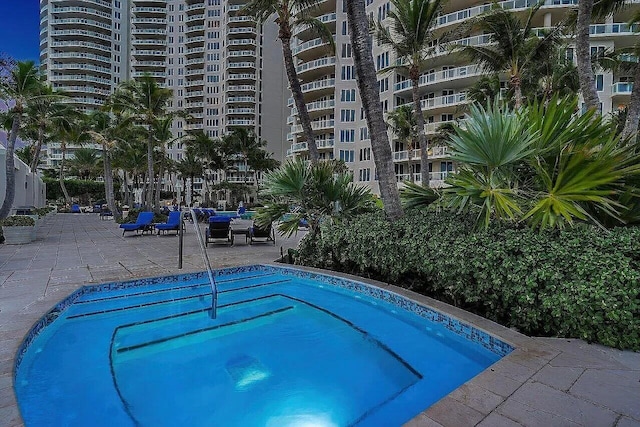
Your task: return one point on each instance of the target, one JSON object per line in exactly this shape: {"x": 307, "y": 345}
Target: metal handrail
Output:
{"x": 205, "y": 258}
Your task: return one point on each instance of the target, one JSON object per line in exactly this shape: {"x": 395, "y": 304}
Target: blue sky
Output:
{"x": 20, "y": 29}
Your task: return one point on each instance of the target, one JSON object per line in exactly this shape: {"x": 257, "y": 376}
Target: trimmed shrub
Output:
{"x": 18, "y": 221}
{"x": 580, "y": 283}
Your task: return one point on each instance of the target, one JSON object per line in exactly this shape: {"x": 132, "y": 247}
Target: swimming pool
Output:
{"x": 288, "y": 348}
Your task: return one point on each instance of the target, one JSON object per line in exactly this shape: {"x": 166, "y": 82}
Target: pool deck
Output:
{"x": 544, "y": 382}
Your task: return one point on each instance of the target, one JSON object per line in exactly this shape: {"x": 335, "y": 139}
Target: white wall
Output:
{"x": 30, "y": 190}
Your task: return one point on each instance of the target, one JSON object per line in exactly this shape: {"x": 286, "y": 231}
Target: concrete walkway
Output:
{"x": 544, "y": 382}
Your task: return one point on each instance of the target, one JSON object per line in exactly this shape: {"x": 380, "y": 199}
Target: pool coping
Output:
{"x": 524, "y": 351}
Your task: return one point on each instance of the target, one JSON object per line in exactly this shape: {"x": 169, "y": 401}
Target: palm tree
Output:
{"x": 70, "y": 130}
{"x": 23, "y": 84}
{"x": 289, "y": 15}
{"x": 109, "y": 130}
{"x": 210, "y": 152}
{"x": 129, "y": 156}
{"x": 370, "y": 96}
{"x": 164, "y": 137}
{"x": 146, "y": 102}
{"x": 190, "y": 167}
{"x": 42, "y": 111}
{"x": 412, "y": 37}
{"x": 244, "y": 143}
{"x": 86, "y": 162}
{"x": 319, "y": 192}
{"x": 403, "y": 123}
{"x": 514, "y": 48}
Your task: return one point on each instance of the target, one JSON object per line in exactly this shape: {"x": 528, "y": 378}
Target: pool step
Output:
{"x": 223, "y": 282}
{"x": 200, "y": 294}
{"x": 182, "y": 329}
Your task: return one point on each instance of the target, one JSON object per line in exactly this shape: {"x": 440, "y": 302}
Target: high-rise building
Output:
{"x": 330, "y": 90}
{"x": 224, "y": 69}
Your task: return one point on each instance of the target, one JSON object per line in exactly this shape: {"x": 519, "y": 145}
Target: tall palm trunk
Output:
{"x": 10, "y": 191}
{"x": 159, "y": 183}
{"x": 583, "y": 55}
{"x": 633, "y": 110}
{"x": 516, "y": 83}
{"x": 127, "y": 192}
{"x": 296, "y": 91}
{"x": 422, "y": 139}
{"x": 149, "y": 189}
{"x": 370, "y": 95}
{"x": 108, "y": 182}
{"x": 37, "y": 149}
{"x": 67, "y": 198}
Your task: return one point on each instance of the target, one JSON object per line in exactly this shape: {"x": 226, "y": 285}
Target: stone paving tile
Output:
{"x": 496, "y": 420}
{"x": 627, "y": 422}
{"x": 559, "y": 378}
{"x": 576, "y": 353}
{"x": 550, "y": 400}
{"x": 476, "y": 397}
{"x": 496, "y": 383}
{"x": 618, "y": 390}
{"x": 449, "y": 412}
{"x": 529, "y": 416}
{"x": 422, "y": 420}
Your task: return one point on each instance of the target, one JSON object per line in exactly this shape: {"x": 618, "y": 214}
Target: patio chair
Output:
{"x": 143, "y": 223}
{"x": 75, "y": 208}
{"x": 267, "y": 233}
{"x": 219, "y": 228}
{"x": 105, "y": 212}
{"x": 173, "y": 223}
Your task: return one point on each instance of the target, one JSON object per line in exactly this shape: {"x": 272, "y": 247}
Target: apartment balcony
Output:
{"x": 241, "y": 30}
{"x": 197, "y": 115}
{"x": 154, "y": 64}
{"x": 415, "y": 155}
{"x": 143, "y": 52}
{"x": 194, "y": 29}
{"x": 193, "y": 126}
{"x": 433, "y": 128}
{"x": 198, "y": 7}
{"x": 156, "y": 74}
{"x": 240, "y": 19}
{"x": 621, "y": 89}
{"x": 242, "y": 111}
{"x": 316, "y": 106}
{"x": 436, "y": 179}
{"x": 190, "y": 41}
{"x": 146, "y": 10}
{"x": 80, "y": 33}
{"x": 194, "y": 18}
{"x": 86, "y": 56}
{"x": 317, "y": 64}
{"x": 149, "y": 31}
{"x": 318, "y": 85}
{"x": 85, "y": 67}
{"x": 241, "y": 99}
{"x": 195, "y": 72}
{"x": 74, "y": 10}
{"x": 194, "y": 83}
{"x": 80, "y": 77}
{"x": 194, "y": 94}
{"x": 149, "y": 42}
{"x": 196, "y": 105}
{"x": 241, "y": 88}
{"x": 235, "y": 7}
{"x": 241, "y": 42}
{"x": 149, "y": 21}
{"x": 326, "y": 19}
{"x": 316, "y": 125}
{"x": 244, "y": 64}
{"x": 242, "y": 76}
{"x": 82, "y": 23}
{"x": 194, "y": 51}
{"x": 241, "y": 122}
{"x": 443, "y": 76}
{"x": 84, "y": 89}
{"x": 194, "y": 61}
{"x": 308, "y": 47}
{"x": 442, "y": 101}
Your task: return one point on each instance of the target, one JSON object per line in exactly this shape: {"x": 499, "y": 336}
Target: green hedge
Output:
{"x": 579, "y": 283}
{"x": 77, "y": 188}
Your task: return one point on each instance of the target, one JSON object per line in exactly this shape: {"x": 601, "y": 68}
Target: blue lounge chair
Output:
{"x": 173, "y": 223}
{"x": 75, "y": 208}
{"x": 267, "y": 233}
{"x": 219, "y": 228}
{"x": 143, "y": 223}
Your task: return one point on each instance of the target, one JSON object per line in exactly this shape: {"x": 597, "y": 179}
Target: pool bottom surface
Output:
{"x": 283, "y": 351}
{"x": 292, "y": 365}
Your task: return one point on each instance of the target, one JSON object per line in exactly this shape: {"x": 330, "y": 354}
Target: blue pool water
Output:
{"x": 286, "y": 349}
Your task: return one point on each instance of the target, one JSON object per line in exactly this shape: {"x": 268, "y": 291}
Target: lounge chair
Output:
{"x": 143, "y": 223}
{"x": 105, "y": 212}
{"x": 173, "y": 223}
{"x": 75, "y": 208}
{"x": 266, "y": 233}
{"x": 219, "y": 228}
